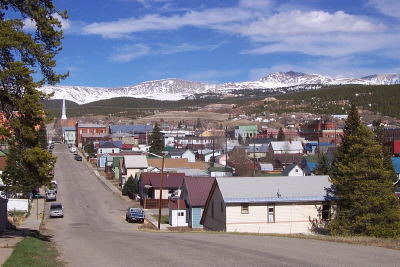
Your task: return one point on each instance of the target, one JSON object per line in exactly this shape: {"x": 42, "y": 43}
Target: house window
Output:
{"x": 245, "y": 208}
{"x": 181, "y": 213}
{"x": 326, "y": 211}
{"x": 271, "y": 213}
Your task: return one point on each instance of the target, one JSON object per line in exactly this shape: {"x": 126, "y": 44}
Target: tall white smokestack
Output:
{"x": 64, "y": 113}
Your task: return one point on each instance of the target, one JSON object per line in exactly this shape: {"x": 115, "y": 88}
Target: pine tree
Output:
{"x": 380, "y": 136}
{"x": 198, "y": 124}
{"x": 156, "y": 141}
{"x": 323, "y": 166}
{"x": 366, "y": 203}
{"x": 130, "y": 187}
{"x": 21, "y": 54}
{"x": 240, "y": 139}
{"x": 281, "y": 135}
{"x": 42, "y": 135}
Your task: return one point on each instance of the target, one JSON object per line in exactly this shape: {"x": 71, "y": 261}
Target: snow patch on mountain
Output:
{"x": 176, "y": 89}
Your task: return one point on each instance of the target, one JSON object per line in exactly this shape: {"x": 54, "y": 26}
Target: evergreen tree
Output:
{"x": 42, "y": 135}
{"x": 281, "y": 135}
{"x": 130, "y": 187}
{"x": 380, "y": 136}
{"x": 198, "y": 124}
{"x": 21, "y": 54}
{"x": 366, "y": 203}
{"x": 240, "y": 139}
{"x": 323, "y": 166}
{"x": 156, "y": 141}
{"x": 89, "y": 148}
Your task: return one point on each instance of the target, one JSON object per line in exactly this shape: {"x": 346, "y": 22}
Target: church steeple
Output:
{"x": 64, "y": 113}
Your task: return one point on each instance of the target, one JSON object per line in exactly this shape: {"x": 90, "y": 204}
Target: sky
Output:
{"x": 125, "y": 42}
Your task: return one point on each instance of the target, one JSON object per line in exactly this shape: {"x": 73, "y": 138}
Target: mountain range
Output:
{"x": 176, "y": 89}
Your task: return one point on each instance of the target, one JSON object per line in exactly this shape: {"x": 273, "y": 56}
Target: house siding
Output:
{"x": 218, "y": 221}
{"x": 289, "y": 218}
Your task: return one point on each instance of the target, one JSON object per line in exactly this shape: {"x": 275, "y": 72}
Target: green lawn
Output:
{"x": 33, "y": 251}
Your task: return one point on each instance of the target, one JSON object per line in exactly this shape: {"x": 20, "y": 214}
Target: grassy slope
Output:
{"x": 33, "y": 251}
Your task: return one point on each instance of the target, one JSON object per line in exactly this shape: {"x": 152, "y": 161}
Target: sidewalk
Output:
{"x": 10, "y": 238}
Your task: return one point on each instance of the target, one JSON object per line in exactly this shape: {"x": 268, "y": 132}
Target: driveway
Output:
{"x": 94, "y": 233}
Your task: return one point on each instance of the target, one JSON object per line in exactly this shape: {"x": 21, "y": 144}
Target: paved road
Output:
{"x": 94, "y": 233}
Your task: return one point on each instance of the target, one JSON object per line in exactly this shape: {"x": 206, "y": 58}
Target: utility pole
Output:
{"x": 161, "y": 189}
{"x": 254, "y": 157}
{"x": 226, "y": 146}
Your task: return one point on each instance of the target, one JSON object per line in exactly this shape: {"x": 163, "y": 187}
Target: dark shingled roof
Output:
{"x": 198, "y": 189}
{"x": 170, "y": 180}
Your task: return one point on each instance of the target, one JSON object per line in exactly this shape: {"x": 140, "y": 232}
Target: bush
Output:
{"x": 130, "y": 188}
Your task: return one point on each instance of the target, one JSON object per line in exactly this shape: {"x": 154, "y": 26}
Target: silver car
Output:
{"x": 51, "y": 195}
{"x": 56, "y": 210}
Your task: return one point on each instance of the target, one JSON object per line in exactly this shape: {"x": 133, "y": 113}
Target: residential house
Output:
{"x": 284, "y": 205}
{"x": 86, "y": 133}
{"x": 172, "y": 164}
{"x": 293, "y": 170}
{"x": 308, "y": 164}
{"x": 125, "y": 138}
{"x": 220, "y": 171}
{"x": 69, "y": 135}
{"x": 150, "y": 187}
{"x": 246, "y": 131}
{"x": 285, "y": 147}
{"x": 257, "y": 150}
{"x": 182, "y": 154}
{"x": 141, "y": 132}
{"x": 131, "y": 165}
{"x": 108, "y": 147}
{"x": 177, "y": 213}
{"x": 266, "y": 167}
{"x": 195, "y": 192}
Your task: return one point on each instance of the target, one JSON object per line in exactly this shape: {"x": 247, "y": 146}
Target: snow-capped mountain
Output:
{"x": 175, "y": 89}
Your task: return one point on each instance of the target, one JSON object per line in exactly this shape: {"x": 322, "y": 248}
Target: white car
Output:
{"x": 56, "y": 210}
{"x": 72, "y": 149}
{"x": 51, "y": 195}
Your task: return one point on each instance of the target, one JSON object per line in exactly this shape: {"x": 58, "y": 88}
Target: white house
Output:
{"x": 293, "y": 170}
{"x": 177, "y": 213}
{"x": 285, "y": 205}
{"x": 285, "y": 147}
{"x": 182, "y": 154}
{"x": 108, "y": 147}
{"x": 132, "y": 164}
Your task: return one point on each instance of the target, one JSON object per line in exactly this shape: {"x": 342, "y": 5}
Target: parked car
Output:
{"x": 76, "y": 153}
{"x": 37, "y": 196}
{"x": 72, "y": 149}
{"x": 51, "y": 195}
{"x": 56, "y": 210}
{"x": 135, "y": 215}
{"x": 78, "y": 158}
{"x": 54, "y": 185}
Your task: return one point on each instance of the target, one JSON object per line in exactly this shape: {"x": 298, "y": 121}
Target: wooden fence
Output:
{"x": 154, "y": 203}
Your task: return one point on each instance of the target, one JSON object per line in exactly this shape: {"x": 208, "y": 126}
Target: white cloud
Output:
{"x": 203, "y": 19}
{"x": 130, "y": 52}
{"x": 387, "y": 7}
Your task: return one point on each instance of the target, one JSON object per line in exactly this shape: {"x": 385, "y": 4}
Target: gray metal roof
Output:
{"x": 273, "y": 189}
{"x": 135, "y": 161}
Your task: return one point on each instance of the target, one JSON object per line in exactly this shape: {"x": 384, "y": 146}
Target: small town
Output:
{"x": 219, "y": 168}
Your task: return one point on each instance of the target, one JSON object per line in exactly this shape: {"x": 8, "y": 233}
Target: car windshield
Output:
{"x": 135, "y": 210}
{"x": 56, "y": 206}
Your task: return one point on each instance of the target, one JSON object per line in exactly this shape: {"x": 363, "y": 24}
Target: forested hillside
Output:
{"x": 384, "y": 99}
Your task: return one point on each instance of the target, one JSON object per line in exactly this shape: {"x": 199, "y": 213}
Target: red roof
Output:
{"x": 170, "y": 180}
{"x": 198, "y": 189}
{"x": 127, "y": 146}
{"x": 173, "y": 204}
